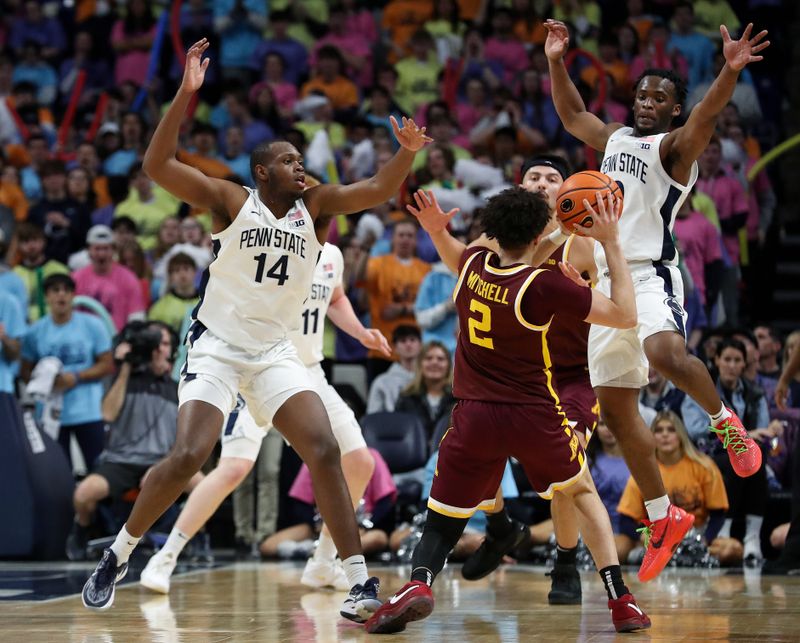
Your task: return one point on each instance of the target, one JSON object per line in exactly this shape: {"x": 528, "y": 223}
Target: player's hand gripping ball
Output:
{"x": 583, "y": 185}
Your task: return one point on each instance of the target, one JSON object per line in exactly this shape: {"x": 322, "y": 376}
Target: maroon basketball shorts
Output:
{"x": 578, "y": 401}
{"x": 473, "y": 454}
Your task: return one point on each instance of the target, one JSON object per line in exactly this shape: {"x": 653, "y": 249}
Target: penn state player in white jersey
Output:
{"x": 656, "y": 168}
{"x": 241, "y": 436}
{"x": 267, "y": 242}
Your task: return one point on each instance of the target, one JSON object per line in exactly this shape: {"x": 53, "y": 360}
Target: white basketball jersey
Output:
{"x": 308, "y": 337}
{"x": 253, "y": 291}
{"x": 651, "y": 198}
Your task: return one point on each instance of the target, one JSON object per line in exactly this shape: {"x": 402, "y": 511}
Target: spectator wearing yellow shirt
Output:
{"x": 147, "y": 204}
{"x": 34, "y": 267}
{"x": 392, "y": 282}
{"x": 418, "y": 74}
{"x": 182, "y": 295}
{"x": 692, "y": 480}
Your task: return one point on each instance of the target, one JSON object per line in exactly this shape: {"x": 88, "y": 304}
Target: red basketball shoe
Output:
{"x": 744, "y": 453}
{"x": 412, "y": 603}
{"x": 627, "y": 615}
{"x": 661, "y": 538}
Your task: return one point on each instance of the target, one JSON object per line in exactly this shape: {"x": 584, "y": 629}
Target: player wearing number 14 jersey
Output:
{"x": 503, "y": 380}
{"x": 267, "y": 242}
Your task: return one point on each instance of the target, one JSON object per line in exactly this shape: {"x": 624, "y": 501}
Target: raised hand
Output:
{"x": 738, "y": 53}
{"x": 374, "y": 339}
{"x": 571, "y": 272}
{"x": 195, "y": 69}
{"x": 604, "y": 227}
{"x": 557, "y": 41}
{"x": 410, "y": 136}
{"x": 430, "y": 216}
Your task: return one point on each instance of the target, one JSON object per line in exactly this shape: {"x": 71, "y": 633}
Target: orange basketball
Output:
{"x": 580, "y": 186}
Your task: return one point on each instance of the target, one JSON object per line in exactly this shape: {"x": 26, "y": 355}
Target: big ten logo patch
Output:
{"x": 296, "y": 219}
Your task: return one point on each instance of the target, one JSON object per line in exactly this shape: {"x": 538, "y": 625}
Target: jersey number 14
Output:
{"x": 277, "y": 271}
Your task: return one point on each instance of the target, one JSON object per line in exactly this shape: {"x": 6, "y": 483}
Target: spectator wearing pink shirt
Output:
{"x": 658, "y": 53}
{"x": 285, "y": 93}
{"x": 132, "y": 39}
{"x": 359, "y": 21}
{"x": 504, "y": 47}
{"x": 379, "y": 501}
{"x": 113, "y": 285}
{"x": 356, "y": 52}
{"x": 732, "y": 205}
{"x": 701, "y": 249}
{"x": 474, "y": 107}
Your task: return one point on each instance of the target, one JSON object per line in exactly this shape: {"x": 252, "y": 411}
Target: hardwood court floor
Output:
{"x": 265, "y": 602}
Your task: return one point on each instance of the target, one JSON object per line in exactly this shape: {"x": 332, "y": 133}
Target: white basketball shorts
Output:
{"x": 616, "y": 356}
{"x": 241, "y": 436}
{"x": 346, "y": 429}
{"x": 215, "y": 371}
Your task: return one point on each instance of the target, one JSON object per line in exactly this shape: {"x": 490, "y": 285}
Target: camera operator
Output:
{"x": 141, "y": 408}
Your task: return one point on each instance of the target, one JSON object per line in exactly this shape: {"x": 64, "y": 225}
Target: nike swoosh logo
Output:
{"x": 397, "y": 597}
{"x": 636, "y": 608}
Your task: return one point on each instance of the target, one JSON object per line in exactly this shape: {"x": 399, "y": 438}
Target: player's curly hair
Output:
{"x": 515, "y": 217}
{"x": 677, "y": 82}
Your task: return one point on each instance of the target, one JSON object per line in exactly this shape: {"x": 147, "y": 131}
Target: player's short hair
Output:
{"x": 677, "y": 82}
{"x": 515, "y": 217}
{"x": 260, "y": 156}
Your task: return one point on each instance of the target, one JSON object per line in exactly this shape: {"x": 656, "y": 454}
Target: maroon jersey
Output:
{"x": 568, "y": 336}
{"x": 504, "y": 316}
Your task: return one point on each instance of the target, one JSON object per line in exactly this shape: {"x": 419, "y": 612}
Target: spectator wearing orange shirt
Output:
{"x": 392, "y": 283}
{"x": 329, "y": 80}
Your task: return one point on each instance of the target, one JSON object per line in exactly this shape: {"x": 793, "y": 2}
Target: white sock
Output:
{"x": 326, "y": 550}
{"x": 720, "y": 415}
{"x": 725, "y": 532}
{"x": 657, "y": 508}
{"x": 355, "y": 568}
{"x": 175, "y": 543}
{"x": 752, "y": 535}
{"x": 124, "y": 545}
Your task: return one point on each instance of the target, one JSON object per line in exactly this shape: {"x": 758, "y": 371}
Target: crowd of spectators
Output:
{"x": 89, "y": 243}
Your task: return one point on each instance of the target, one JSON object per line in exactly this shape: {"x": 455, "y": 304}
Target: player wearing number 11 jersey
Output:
{"x": 507, "y": 404}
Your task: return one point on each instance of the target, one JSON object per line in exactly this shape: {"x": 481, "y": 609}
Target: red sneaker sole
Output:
{"x": 415, "y": 609}
{"x": 665, "y": 554}
{"x": 631, "y": 625}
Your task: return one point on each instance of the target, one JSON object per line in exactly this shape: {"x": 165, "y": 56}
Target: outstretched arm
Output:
{"x": 324, "y": 201}
{"x": 683, "y": 146}
{"x": 222, "y": 198}
{"x": 434, "y": 221}
{"x": 579, "y": 122}
{"x": 341, "y": 313}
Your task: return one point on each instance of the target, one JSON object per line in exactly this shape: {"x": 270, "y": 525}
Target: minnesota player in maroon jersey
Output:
{"x": 508, "y": 405}
{"x": 568, "y": 340}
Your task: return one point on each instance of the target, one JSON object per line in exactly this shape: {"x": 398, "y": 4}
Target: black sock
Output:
{"x": 499, "y": 524}
{"x": 439, "y": 536}
{"x": 566, "y": 556}
{"x": 612, "y": 579}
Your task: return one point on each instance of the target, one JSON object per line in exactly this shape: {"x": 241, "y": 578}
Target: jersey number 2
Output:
{"x": 278, "y": 270}
{"x": 484, "y": 324}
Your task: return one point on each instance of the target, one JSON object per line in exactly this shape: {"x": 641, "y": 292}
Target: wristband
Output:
{"x": 557, "y": 237}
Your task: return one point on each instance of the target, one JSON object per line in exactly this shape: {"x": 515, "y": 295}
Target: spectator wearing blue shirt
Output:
{"x": 10, "y": 282}
{"x": 239, "y": 24}
{"x": 120, "y": 162}
{"x": 293, "y": 51}
{"x": 83, "y": 345}
{"x": 12, "y": 329}
{"x": 35, "y": 27}
{"x": 434, "y": 307}
{"x": 235, "y": 156}
{"x": 697, "y": 49}
{"x": 33, "y": 69}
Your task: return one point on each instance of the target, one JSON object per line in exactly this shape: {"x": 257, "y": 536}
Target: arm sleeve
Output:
{"x": 552, "y": 293}
{"x": 14, "y": 319}
{"x": 716, "y": 518}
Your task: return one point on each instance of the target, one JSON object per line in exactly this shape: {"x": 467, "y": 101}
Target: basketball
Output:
{"x": 580, "y": 186}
